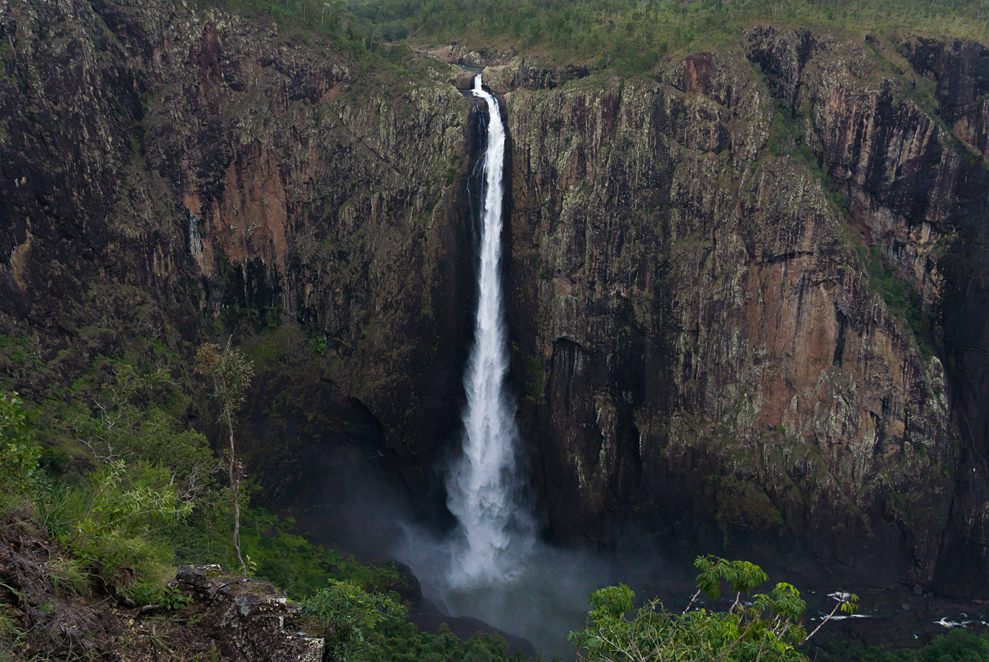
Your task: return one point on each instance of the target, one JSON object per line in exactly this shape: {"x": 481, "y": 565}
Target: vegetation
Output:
{"x": 231, "y": 374}
{"x": 301, "y": 568}
{"x": 901, "y": 299}
{"x": 955, "y": 646}
{"x": 19, "y": 453}
{"x": 766, "y": 628}
{"x": 143, "y": 493}
{"x": 629, "y": 36}
{"x": 350, "y": 613}
{"x": 535, "y": 382}
{"x": 126, "y": 492}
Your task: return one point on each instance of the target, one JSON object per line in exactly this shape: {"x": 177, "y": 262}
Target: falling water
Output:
{"x": 483, "y": 489}
{"x": 493, "y": 569}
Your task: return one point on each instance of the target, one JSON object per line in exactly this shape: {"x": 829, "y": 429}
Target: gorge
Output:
{"x": 745, "y": 292}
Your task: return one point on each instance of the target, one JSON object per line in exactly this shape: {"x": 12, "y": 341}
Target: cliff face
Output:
{"x": 162, "y": 165}
{"x": 731, "y": 285}
{"x": 689, "y": 279}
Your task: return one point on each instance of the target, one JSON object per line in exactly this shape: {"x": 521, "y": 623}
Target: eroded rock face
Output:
{"x": 248, "y": 618}
{"x": 162, "y": 164}
{"x": 716, "y": 365}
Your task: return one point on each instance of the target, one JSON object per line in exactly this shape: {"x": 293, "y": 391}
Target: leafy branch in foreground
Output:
{"x": 765, "y": 628}
{"x": 19, "y": 452}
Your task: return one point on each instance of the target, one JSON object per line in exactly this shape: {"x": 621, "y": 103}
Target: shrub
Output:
{"x": 19, "y": 452}
{"x": 350, "y": 613}
{"x": 766, "y": 628}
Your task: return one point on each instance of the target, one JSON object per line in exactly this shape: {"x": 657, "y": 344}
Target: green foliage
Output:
{"x": 127, "y": 514}
{"x": 395, "y": 640}
{"x": 70, "y": 573}
{"x": 121, "y": 427}
{"x": 371, "y": 627}
{"x": 901, "y": 299}
{"x": 146, "y": 592}
{"x": 630, "y": 36}
{"x": 350, "y": 613}
{"x": 743, "y": 504}
{"x": 120, "y": 518}
{"x": 955, "y": 646}
{"x": 741, "y": 576}
{"x": 19, "y": 453}
{"x": 230, "y": 372}
{"x": 766, "y": 628}
{"x": 535, "y": 381}
{"x": 787, "y": 137}
{"x": 299, "y": 567}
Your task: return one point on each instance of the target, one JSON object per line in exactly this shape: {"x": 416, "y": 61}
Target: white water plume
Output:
{"x": 483, "y": 490}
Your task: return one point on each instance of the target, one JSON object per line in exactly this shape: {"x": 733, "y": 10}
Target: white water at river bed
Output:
{"x": 483, "y": 486}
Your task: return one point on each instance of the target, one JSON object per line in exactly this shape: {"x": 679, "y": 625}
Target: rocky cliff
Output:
{"x": 746, "y": 293}
{"x": 165, "y": 167}
{"x": 703, "y": 274}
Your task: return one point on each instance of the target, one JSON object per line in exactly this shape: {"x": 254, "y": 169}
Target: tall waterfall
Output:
{"x": 483, "y": 489}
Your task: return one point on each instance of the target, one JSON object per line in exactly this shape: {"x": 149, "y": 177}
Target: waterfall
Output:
{"x": 483, "y": 487}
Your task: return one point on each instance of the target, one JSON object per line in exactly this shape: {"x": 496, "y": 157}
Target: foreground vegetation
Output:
{"x": 124, "y": 492}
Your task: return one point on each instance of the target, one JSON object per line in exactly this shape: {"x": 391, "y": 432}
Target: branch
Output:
{"x": 692, "y": 601}
{"x": 825, "y": 620}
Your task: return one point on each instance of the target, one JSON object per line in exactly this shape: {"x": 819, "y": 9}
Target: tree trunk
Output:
{"x": 234, "y": 474}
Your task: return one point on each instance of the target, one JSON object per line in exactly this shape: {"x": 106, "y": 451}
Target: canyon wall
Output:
{"x": 747, "y": 293}
{"x": 706, "y": 352}
{"x": 171, "y": 174}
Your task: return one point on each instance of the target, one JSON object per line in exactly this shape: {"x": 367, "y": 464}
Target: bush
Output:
{"x": 350, "y": 613}
{"x": 766, "y": 628}
{"x": 19, "y": 452}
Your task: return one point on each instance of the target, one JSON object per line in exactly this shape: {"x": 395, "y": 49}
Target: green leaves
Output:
{"x": 350, "y": 613}
{"x": 611, "y": 602}
{"x": 230, "y": 371}
{"x": 742, "y": 576}
{"x": 19, "y": 452}
{"x": 766, "y": 629}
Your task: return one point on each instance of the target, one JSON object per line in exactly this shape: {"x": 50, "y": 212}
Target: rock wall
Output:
{"x": 168, "y": 170}
{"x": 703, "y": 349}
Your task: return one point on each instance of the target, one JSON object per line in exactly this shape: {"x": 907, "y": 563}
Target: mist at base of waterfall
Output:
{"x": 541, "y": 600}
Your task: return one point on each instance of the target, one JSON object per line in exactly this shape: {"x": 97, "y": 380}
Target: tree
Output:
{"x": 19, "y": 452}
{"x": 120, "y": 429}
{"x": 350, "y": 613}
{"x": 765, "y": 628}
{"x": 231, "y": 373}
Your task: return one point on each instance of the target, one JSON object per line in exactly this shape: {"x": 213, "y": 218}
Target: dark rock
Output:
{"x": 250, "y": 618}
